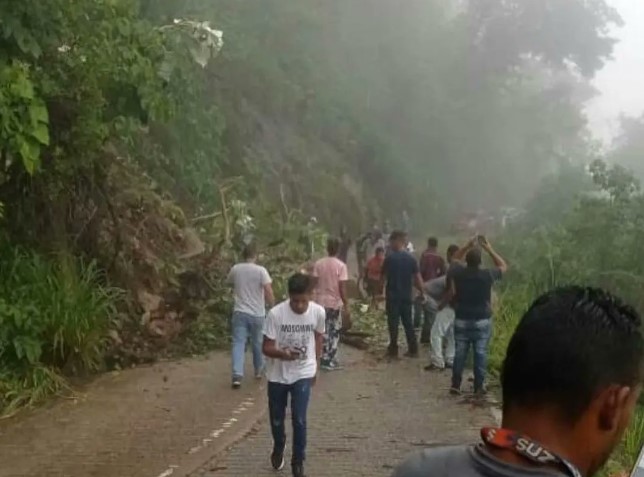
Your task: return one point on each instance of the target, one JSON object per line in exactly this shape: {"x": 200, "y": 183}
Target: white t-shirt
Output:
{"x": 248, "y": 280}
{"x": 293, "y": 331}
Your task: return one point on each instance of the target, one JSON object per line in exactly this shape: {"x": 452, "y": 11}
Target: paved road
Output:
{"x": 178, "y": 419}
{"x": 363, "y": 420}
{"x": 143, "y": 422}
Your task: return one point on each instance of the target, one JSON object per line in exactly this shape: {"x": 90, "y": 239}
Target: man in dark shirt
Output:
{"x": 432, "y": 265}
{"x": 558, "y": 390}
{"x": 400, "y": 271}
{"x": 470, "y": 288}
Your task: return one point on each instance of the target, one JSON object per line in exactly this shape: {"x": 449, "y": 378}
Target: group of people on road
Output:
{"x": 293, "y": 340}
{"x": 452, "y": 306}
{"x": 565, "y": 405}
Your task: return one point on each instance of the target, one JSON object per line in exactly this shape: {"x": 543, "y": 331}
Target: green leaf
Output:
{"x": 30, "y": 154}
{"x": 39, "y": 113}
{"x": 41, "y": 133}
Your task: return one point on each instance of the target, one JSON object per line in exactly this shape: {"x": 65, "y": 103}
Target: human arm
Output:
{"x": 450, "y": 292}
{"x": 499, "y": 262}
{"x": 319, "y": 339}
{"x": 269, "y": 296}
{"x": 344, "y": 279}
{"x": 459, "y": 255}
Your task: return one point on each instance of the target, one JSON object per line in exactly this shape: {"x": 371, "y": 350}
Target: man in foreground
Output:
{"x": 470, "y": 291}
{"x": 252, "y": 291}
{"x": 331, "y": 276}
{"x": 400, "y": 270}
{"x": 293, "y": 335}
{"x": 571, "y": 379}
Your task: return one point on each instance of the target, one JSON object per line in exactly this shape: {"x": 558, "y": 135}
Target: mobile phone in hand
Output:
{"x": 638, "y": 469}
{"x": 481, "y": 239}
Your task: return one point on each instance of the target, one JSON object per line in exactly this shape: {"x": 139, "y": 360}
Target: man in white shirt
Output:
{"x": 293, "y": 334}
{"x": 252, "y": 290}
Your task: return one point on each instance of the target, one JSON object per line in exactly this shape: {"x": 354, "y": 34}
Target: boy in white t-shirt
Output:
{"x": 293, "y": 334}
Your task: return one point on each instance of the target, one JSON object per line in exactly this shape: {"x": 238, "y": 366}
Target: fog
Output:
{"x": 620, "y": 82}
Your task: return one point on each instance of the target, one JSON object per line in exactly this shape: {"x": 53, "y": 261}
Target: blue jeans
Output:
{"x": 477, "y": 334}
{"x": 300, "y": 392}
{"x": 245, "y": 326}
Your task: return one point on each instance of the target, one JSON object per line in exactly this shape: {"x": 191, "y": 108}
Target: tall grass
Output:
{"x": 54, "y": 316}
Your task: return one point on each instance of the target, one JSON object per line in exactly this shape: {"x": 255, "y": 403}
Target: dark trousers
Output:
{"x": 397, "y": 311}
{"x": 300, "y": 392}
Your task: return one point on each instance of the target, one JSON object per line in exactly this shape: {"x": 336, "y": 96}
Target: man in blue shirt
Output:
{"x": 470, "y": 290}
{"x": 400, "y": 271}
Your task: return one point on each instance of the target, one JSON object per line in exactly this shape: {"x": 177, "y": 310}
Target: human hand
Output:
{"x": 290, "y": 355}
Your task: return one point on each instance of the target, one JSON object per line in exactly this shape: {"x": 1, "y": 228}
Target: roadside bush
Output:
{"x": 54, "y": 316}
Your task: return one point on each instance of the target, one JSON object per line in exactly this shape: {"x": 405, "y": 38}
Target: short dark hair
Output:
{"x": 473, "y": 257}
{"x": 452, "y": 249}
{"x": 432, "y": 242}
{"x": 570, "y": 344}
{"x": 397, "y": 235}
{"x": 380, "y": 250}
{"x": 250, "y": 251}
{"x": 298, "y": 284}
{"x": 333, "y": 246}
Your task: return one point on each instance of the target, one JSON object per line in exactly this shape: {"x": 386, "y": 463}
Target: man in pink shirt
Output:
{"x": 331, "y": 276}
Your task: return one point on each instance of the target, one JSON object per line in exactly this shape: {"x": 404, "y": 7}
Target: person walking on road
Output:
{"x": 293, "y": 335}
{"x": 400, "y": 270}
{"x": 470, "y": 290}
{"x": 571, "y": 379}
{"x": 442, "y": 331}
{"x": 331, "y": 276}
{"x": 252, "y": 290}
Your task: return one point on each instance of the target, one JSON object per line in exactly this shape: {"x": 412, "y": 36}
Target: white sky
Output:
{"x": 621, "y": 82}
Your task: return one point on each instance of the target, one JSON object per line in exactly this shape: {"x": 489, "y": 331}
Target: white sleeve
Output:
{"x": 270, "y": 327}
{"x": 266, "y": 278}
{"x": 320, "y": 326}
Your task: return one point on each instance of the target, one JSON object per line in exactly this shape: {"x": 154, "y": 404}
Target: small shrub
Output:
{"x": 54, "y": 315}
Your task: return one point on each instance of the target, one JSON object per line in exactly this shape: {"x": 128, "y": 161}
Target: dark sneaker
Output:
{"x": 277, "y": 460}
{"x": 237, "y": 382}
{"x": 391, "y": 353}
{"x": 330, "y": 366}
{"x": 298, "y": 470}
{"x": 480, "y": 393}
{"x": 454, "y": 391}
{"x": 433, "y": 367}
{"x": 411, "y": 354}
{"x": 449, "y": 365}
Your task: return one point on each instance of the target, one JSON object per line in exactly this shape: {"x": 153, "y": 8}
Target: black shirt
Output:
{"x": 473, "y": 287}
{"x": 399, "y": 270}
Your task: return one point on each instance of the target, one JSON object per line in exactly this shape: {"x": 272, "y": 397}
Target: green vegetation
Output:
{"x": 54, "y": 314}
{"x": 593, "y": 239}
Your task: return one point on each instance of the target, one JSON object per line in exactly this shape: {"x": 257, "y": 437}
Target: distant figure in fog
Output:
{"x": 374, "y": 278}
{"x": 252, "y": 291}
{"x": 570, "y": 382}
{"x": 345, "y": 245}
